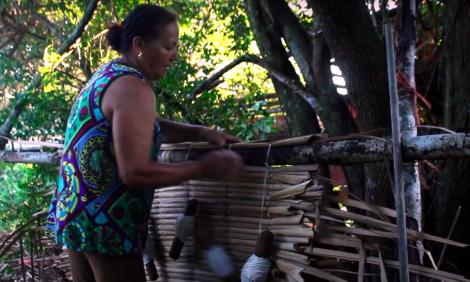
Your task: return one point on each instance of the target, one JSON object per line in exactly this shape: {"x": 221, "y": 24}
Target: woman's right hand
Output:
{"x": 222, "y": 164}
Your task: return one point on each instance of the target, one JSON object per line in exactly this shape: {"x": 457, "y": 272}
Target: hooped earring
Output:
{"x": 139, "y": 55}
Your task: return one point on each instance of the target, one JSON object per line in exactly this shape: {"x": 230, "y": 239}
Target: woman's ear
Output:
{"x": 138, "y": 44}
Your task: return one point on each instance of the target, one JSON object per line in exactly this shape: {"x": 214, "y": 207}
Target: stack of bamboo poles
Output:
{"x": 316, "y": 233}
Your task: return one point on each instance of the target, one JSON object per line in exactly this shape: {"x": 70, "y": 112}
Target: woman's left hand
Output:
{"x": 217, "y": 138}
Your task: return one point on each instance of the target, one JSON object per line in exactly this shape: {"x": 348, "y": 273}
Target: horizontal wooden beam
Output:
{"x": 341, "y": 152}
{"x": 328, "y": 151}
{"x": 30, "y": 157}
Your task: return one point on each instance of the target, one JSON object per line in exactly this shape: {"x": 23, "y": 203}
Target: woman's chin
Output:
{"x": 157, "y": 76}
{"x": 160, "y": 75}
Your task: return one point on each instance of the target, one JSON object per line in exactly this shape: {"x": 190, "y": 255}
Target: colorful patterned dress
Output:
{"x": 92, "y": 210}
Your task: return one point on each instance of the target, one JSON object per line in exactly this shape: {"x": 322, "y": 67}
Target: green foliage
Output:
{"x": 303, "y": 12}
{"x": 217, "y": 34}
{"x": 212, "y": 34}
{"x": 24, "y": 191}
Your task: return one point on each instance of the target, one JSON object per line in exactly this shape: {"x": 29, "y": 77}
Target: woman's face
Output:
{"x": 158, "y": 54}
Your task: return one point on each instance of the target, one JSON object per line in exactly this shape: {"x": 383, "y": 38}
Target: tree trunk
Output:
{"x": 452, "y": 189}
{"x": 301, "y": 117}
{"x": 360, "y": 54}
{"x": 313, "y": 58}
{"x": 406, "y": 52}
{"x": 337, "y": 119}
{"x": 357, "y": 50}
{"x": 314, "y": 64}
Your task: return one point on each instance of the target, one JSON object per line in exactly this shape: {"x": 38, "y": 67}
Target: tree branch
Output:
{"x": 78, "y": 31}
{"x": 300, "y": 115}
{"x": 23, "y": 98}
{"x": 313, "y": 57}
{"x": 296, "y": 37}
{"x": 18, "y": 107}
{"x": 214, "y": 79}
{"x": 295, "y": 86}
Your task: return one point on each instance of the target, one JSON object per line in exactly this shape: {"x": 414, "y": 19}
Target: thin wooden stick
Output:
{"x": 429, "y": 272}
{"x": 322, "y": 274}
{"x": 454, "y": 222}
{"x": 383, "y": 272}
{"x": 290, "y": 191}
{"x": 362, "y": 262}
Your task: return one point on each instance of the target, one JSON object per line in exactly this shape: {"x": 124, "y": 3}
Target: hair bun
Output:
{"x": 114, "y": 36}
{"x": 146, "y": 21}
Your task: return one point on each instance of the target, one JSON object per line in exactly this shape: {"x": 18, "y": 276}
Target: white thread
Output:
{"x": 268, "y": 202}
{"x": 187, "y": 151}
{"x": 226, "y": 188}
{"x": 266, "y": 174}
{"x": 186, "y": 183}
{"x": 255, "y": 269}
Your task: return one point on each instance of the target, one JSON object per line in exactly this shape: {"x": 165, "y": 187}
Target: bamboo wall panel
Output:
{"x": 232, "y": 214}
{"x": 314, "y": 234}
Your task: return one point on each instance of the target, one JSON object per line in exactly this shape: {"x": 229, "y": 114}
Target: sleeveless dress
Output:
{"x": 92, "y": 210}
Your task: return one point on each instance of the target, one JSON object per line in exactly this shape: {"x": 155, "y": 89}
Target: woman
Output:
{"x": 109, "y": 168}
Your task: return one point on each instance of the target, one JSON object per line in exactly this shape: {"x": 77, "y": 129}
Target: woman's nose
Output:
{"x": 173, "y": 56}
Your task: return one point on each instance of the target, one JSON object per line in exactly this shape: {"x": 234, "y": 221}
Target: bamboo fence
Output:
{"x": 317, "y": 233}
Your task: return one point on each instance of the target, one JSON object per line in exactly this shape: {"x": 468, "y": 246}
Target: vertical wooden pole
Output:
{"x": 31, "y": 237}
{"x": 396, "y": 152}
{"x": 23, "y": 270}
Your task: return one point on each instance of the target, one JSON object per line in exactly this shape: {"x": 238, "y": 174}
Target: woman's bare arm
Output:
{"x": 130, "y": 105}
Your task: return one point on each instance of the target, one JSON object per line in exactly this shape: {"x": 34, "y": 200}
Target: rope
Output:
{"x": 257, "y": 268}
{"x": 404, "y": 85}
{"x": 267, "y": 175}
{"x": 186, "y": 183}
{"x": 226, "y": 188}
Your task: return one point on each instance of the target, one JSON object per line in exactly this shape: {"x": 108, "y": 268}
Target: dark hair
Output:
{"x": 145, "y": 20}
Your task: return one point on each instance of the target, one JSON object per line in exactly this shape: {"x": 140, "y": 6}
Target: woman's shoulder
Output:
{"x": 131, "y": 84}
{"x": 115, "y": 66}
{"x": 110, "y": 71}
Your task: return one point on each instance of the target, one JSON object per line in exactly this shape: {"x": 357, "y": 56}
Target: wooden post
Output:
{"x": 409, "y": 119}
{"x": 396, "y": 152}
